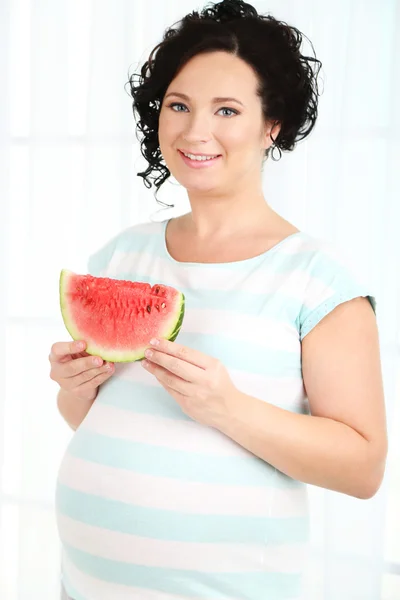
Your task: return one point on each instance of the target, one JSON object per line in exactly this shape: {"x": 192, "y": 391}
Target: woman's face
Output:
{"x": 195, "y": 119}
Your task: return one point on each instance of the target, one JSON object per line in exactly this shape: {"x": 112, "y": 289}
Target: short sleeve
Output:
{"x": 330, "y": 283}
{"x": 98, "y": 261}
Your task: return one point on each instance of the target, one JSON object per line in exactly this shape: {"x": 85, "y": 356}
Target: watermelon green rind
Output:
{"x": 68, "y": 321}
{"x": 114, "y": 356}
{"x": 177, "y": 329}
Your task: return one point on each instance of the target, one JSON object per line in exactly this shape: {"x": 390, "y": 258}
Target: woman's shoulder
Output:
{"x": 331, "y": 277}
{"x": 133, "y": 238}
{"x": 327, "y": 260}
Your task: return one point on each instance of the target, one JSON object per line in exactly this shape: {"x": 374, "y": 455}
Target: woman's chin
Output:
{"x": 197, "y": 184}
{"x": 201, "y": 189}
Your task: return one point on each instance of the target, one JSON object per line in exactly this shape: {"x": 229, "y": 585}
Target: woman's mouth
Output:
{"x": 201, "y": 161}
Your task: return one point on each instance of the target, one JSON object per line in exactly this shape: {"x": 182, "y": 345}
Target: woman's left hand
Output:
{"x": 199, "y": 383}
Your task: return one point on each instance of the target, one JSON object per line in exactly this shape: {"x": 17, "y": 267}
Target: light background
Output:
{"x": 68, "y": 163}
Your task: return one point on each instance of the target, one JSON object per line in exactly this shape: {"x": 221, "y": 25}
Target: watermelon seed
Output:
{"x": 157, "y": 289}
{"x": 163, "y": 305}
{"x": 148, "y": 308}
{"x": 157, "y": 307}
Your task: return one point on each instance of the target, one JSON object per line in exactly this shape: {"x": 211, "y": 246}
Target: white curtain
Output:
{"x": 68, "y": 163}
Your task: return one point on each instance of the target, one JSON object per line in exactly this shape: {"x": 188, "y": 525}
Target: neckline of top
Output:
{"x": 251, "y": 260}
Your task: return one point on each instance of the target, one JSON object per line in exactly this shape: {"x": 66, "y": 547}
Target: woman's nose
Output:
{"x": 197, "y": 131}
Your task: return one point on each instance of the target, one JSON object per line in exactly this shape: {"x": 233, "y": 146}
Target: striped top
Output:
{"x": 152, "y": 505}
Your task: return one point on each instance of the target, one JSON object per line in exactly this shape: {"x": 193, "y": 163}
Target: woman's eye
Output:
{"x": 174, "y": 105}
{"x": 234, "y": 112}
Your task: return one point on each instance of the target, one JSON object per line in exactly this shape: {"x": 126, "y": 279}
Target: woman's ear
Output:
{"x": 272, "y": 128}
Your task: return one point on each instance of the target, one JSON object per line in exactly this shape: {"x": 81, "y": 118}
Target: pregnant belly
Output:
{"x": 140, "y": 509}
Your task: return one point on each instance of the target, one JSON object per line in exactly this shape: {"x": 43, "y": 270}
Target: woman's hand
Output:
{"x": 199, "y": 383}
{"x": 76, "y": 371}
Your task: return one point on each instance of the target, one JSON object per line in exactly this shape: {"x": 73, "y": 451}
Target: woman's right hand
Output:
{"x": 76, "y": 371}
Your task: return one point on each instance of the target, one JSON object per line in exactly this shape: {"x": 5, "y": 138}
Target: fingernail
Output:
{"x": 154, "y": 342}
{"x": 80, "y": 345}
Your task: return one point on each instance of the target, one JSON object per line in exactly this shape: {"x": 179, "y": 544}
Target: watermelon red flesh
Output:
{"x": 118, "y": 318}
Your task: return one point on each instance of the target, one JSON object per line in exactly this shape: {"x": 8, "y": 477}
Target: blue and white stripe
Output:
{"x": 155, "y": 506}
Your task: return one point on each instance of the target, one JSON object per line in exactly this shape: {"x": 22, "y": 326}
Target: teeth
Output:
{"x": 203, "y": 157}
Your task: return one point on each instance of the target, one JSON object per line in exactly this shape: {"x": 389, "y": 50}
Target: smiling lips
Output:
{"x": 199, "y": 163}
{"x": 196, "y": 153}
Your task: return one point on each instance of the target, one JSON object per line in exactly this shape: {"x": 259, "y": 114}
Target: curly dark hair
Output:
{"x": 287, "y": 82}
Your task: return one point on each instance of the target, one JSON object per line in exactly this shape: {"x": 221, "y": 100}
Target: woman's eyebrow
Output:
{"x": 215, "y": 100}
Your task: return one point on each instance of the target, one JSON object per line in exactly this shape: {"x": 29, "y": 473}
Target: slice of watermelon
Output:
{"x": 118, "y": 318}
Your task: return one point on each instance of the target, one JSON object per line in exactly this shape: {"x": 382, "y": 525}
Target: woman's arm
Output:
{"x": 74, "y": 409}
{"x": 342, "y": 445}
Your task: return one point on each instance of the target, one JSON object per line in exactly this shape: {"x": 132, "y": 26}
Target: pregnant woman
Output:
{"x": 186, "y": 477}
